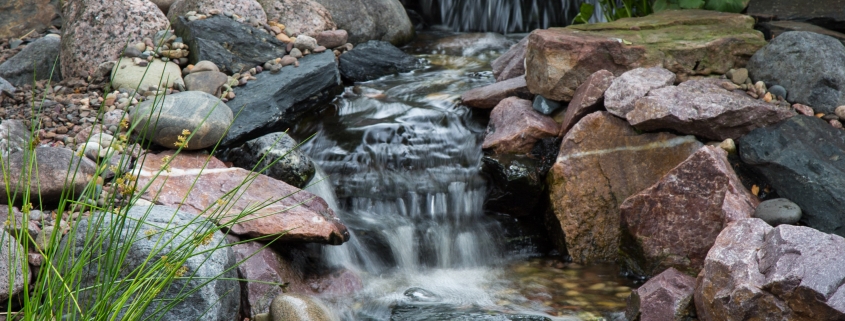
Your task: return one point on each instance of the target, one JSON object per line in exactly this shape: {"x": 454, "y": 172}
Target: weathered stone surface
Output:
{"x": 279, "y": 153}
{"x": 674, "y": 222}
{"x": 602, "y": 161}
{"x": 249, "y": 9}
{"x": 302, "y": 216}
{"x": 810, "y": 66}
{"x": 515, "y": 127}
{"x": 804, "y": 160}
{"x": 273, "y": 102}
{"x": 300, "y": 17}
{"x": 686, "y": 42}
{"x": 778, "y": 211}
{"x": 128, "y": 75}
{"x": 11, "y": 266}
{"x": 825, "y": 13}
{"x": 204, "y": 115}
{"x": 210, "y": 82}
{"x": 588, "y": 98}
{"x": 17, "y": 17}
{"x": 58, "y": 170}
{"x": 634, "y": 84}
{"x": 164, "y": 5}
{"x": 704, "y": 109}
{"x": 667, "y": 296}
{"x": 96, "y": 31}
{"x": 366, "y": 20}
{"x": 332, "y": 38}
{"x": 36, "y": 60}
{"x": 489, "y": 96}
{"x": 757, "y": 272}
{"x": 511, "y": 64}
{"x": 164, "y": 232}
{"x": 374, "y": 59}
{"x": 233, "y": 46}
{"x": 14, "y": 137}
{"x": 6, "y": 88}
{"x": 772, "y": 29}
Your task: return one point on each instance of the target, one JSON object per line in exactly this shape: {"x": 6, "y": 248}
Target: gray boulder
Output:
{"x": 36, "y": 60}
{"x": 374, "y": 59}
{"x": 14, "y": 137}
{"x": 371, "y": 20}
{"x": 11, "y": 266}
{"x": 810, "y": 66}
{"x": 279, "y": 153}
{"x": 59, "y": 170}
{"x": 778, "y": 211}
{"x": 6, "y": 87}
{"x": 204, "y": 115}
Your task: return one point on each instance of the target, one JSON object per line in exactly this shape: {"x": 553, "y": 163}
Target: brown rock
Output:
{"x": 704, "y": 109}
{"x": 300, "y": 215}
{"x": 515, "y": 127}
{"x": 250, "y": 9}
{"x": 300, "y": 17}
{"x": 206, "y": 81}
{"x": 18, "y": 17}
{"x": 674, "y": 222}
{"x": 602, "y": 161}
{"x": 588, "y": 98}
{"x": 511, "y": 64}
{"x": 489, "y": 96}
{"x": 560, "y": 59}
{"x": 53, "y": 178}
{"x": 804, "y": 109}
{"x": 667, "y": 296}
{"x": 332, "y": 38}
{"x": 632, "y": 85}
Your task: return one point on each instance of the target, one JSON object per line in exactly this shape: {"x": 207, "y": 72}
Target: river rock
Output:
{"x": 704, "y": 109}
{"x": 274, "y": 101}
{"x": 366, "y": 20}
{"x": 374, "y": 59}
{"x": 588, "y": 98}
{"x": 210, "y": 263}
{"x": 511, "y": 64}
{"x": 302, "y": 216}
{"x": 300, "y": 17}
{"x": 778, "y": 211}
{"x": 128, "y": 75}
{"x": 489, "y": 96}
{"x": 204, "y": 65}
{"x": 558, "y": 60}
{"x": 233, "y": 46}
{"x": 210, "y": 82}
{"x": 296, "y": 307}
{"x": 55, "y": 165}
{"x": 279, "y": 154}
{"x": 204, "y": 115}
{"x": 515, "y": 127}
{"x": 755, "y": 271}
{"x": 36, "y": 60}
{"x": 14, "y": 137}
{"x": 816, "y": 68}
{"x": 603, "y": 161}
{"x": 667, "y": 296}
{"x": 18, "y": 17}
{"x": 96, "y": 31}
{"x": 516, "y": 183}
{"x": 825, "y": 13}
{"x": 804, "y": 160}
{"x": 634, "y": 84}
{"x": 674, "y": 222}
{"x": 332, "y": 38}
{"x": 249, "y": 9}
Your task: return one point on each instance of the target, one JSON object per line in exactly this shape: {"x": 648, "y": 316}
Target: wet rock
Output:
{"x": 54, "y": 165}
{"x": 559, "y": 60}
{"x": 803, "y": 158}
{"x": 233, "y": 46}
{"x": 374, "y": 59}
{"x": 515, "y": 127}
{"x": 279, "y": 154}
{"x": 778, "y": 211}
{"x": 18, "y": 17}
{"x": 273, "y": 101}
{"x": 674, "y": 222}
{"x": 14, "y": 137}
{"x": 36, "y": 60}
{"x": 205, "y": 116}
{"x": 667, "y": 296}
{"x": 128, "y": 75}
{"x": 302, "y": 216}
{"x": 545, "y": 106}
{"x": 416, "y": 294}
{"x": 287, "y": 307}
{"x": 210, "y": 82}
{"x": 471, "y": 44}
{"x": 332, "y": 38}
{"x": 87, "y": 41}
{"x": 632, "y": 85}
{"x": 511, "y": 64}
{"x": 300, "y": 17}
{"x": 588, "y": 98}
{"x": 602, "y": 161}
{"x": 516, "y": 183}
{"x": 824, "y": 13}
{"x": 489, "y": 96}
{"x": 755, "y": 271}
{"x": 816, "y": 68}
{"x": 704, "y": 109}
{"x": 248, "y": 9}
{"x": 365, "y": 20}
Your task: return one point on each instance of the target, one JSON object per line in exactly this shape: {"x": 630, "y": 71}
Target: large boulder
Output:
{"x": 18, "y": 17}
{"x": 208, "y": 287}
{"x": 59, "y": 171}
{"x": 273, "y": 101}
{"x": 511, "y": 64}
{"x": 603, "y": 161}
{"x": 757, "y": 272}
{"x": 634, "y": 84}
{"x": 128, "y": 75}
{"x": 14, "y": 137}
{"x": 298, "y": 215}
{"x": 366, "y": 20}
{"x": 804, "y": 160}
{"x": 96, "y": 31}
{"x": 300, "y": 17}
{"x": 231, "y": 45}
{"x": 705, "y": 109}
{"x": 249, "y": 9}
{"x": 276, "y": 155}
{"x": 36, "y": 60}
{"x": 674, "y": 222}
{"x": 686, "y": 42}
{"x": 515, "y": 127}
{"x": 810, "y": 66}
{"x": 825, "y": 13}
{"x": 588, "y": 98}
{"x": 489, "y": 96}
{"x": 164, "y": 120}
{"x": 667, "y": 296}
{"x": 374, "y": 59}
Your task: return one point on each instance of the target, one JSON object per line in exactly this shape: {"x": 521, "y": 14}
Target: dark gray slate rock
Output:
{"x": 825, "y": 13}
{"x": 804, "y": 160}
{"x": 292, "y": 167}
{"x": 810, "y": 66}
{"x": 511, "y": 64}
{"x": 374, "y": 59}
{"x": 35, "y": 60}
{"x": 233, "y": 46}
{"x": 778, "y": 211}
{"x": 206, "y": 116}
{"x": 545, "y": 106}
{"x": 365, "y": 20}
{"x": 163, "y": 230}
{"x": 273, "y": 101}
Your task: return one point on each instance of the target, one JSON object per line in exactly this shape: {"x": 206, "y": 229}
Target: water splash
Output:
{"x": 502, "y": 16}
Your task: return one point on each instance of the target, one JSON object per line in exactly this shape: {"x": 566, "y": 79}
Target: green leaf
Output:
{"x": 585, "y": 14}
{"x": 735, "y": 6}
{"x": 691, "y": 4}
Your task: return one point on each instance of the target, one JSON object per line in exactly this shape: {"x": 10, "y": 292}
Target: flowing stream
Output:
{"x": 401, "y": 159}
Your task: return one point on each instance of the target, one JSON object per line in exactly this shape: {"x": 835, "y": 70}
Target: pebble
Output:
{"x": 131, "y": 52}
{"x": 803, "y": 109}
{"x": 760, "y": 88}
{"x": 840, "y": 112}
{"x": 728, "y": 145}
{"x": 304, "y": 42}
{"x": 295, "y": 53}
{"x": 287, "y": 60}
{"x": 778, "y": 91}
{"x": 204, "y": 65}
{"x": 319, "y": 49}
{"x": 835, "y": 123}
{"x": 778, "y": 211}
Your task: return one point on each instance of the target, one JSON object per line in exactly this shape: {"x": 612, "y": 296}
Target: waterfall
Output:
{"x": 502, "y": 16}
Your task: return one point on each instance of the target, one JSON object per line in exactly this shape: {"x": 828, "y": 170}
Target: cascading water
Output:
{"x": 502, "y": 16}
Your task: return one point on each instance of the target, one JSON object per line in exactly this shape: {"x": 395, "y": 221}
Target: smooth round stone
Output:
{"x": 296, "y": 53}
{"x": 131, "y": 52}
{"x": 545, "y": 106}
{"x": 840, "y": 111}
{"x": 205, "y": 65}
{"x": 129, "y": 75}
{"x": 206, "y": 81}
{"x": 778, "y": 90}
{"x": 184, "y": 110}
{"x": 738, "y": 76}
{"x": 778, "y": 211}
{"x": 288, "y": 306}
